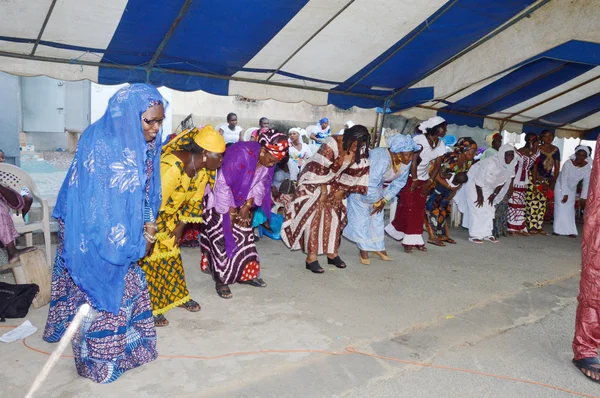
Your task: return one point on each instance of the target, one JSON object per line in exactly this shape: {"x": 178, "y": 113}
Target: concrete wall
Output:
{"x": 10, "y": 117}
{"x": 213, "y": 109}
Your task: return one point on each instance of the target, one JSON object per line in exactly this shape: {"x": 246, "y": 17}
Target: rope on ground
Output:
{"x": 353, "y": 351}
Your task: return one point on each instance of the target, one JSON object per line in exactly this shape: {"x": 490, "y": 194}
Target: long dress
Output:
{"x": 243, "y": 263}
{"x": 410, "y": 213}
{"x": 182, "y": 198}
{"x": 488, "y": 174}
{"x": 516, "y": 203}
{"x": 566, "y": 184}
{"x": 310, "y": 226}
{"x": 537, "y": 201}
{"x": 587, "y": 321}
{"x": 438, "y": 207}
{"x": 113, "y": 185}
{"x": 367, "y": 230}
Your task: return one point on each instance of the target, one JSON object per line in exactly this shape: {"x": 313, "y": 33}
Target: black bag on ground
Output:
{"x": 15, "y": 300}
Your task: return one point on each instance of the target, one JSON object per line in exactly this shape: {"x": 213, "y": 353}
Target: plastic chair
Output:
{"x": 16, "y": 178}
{"x": 248, "y": 133}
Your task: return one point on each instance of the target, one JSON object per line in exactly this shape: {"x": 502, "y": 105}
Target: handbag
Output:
{"x": 15, "y": 300}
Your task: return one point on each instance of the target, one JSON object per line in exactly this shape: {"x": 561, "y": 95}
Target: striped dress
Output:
{"x": 310, "y": 226}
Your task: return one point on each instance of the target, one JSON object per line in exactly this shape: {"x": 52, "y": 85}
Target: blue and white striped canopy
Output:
{"x": 523, "y": 65}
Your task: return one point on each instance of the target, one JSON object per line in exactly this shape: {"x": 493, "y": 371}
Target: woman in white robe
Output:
{"x": 489, "y": 181}
{"x": 576, "y": 169}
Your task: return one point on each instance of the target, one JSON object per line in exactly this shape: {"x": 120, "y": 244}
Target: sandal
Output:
{"x": 314, "y": 267}
{"x": 408, "y": 249}
{"x": 256, "y": 282}
{"x": 586, "y": 364}
{"x": 191, "y": 306}
{"x": 223, "y": 291}
{"x": 476, "y": 241}
{"x": 491, "y": 239}
{"x": 450, "y": 240}
{"x": 160, "y": 321}
{"x": 421, "y": 248}
{"x": 436, "y": 242}
{"x": 337, "y": 261}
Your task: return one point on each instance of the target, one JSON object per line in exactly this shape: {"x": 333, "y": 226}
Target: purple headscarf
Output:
{"x": 239, "y": 167}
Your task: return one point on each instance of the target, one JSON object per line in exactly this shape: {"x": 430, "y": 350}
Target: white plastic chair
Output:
{"x": 248, "y": 133}
{"x": 16, "y": 178}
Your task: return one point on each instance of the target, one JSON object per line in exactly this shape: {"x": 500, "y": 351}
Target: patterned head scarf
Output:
{"x": 490, "y": 138}
{"x": 275, "y": 142}
{"x": 207, "y": 138}
{"x": 465, "y": 144}
{"x": 402, "y": 143}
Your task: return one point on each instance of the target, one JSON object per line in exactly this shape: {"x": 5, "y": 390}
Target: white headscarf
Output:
{"x": 430, "y": 123}
{"x": 581, "y": 148}
{"x": 494, "y": 171}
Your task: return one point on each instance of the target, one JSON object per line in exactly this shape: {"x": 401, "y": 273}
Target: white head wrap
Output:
{"x": 583, "y": 148}
{"x": 494, "y": 171}
{"x": 349, "y": 123}
{"x": 430, "y": 123}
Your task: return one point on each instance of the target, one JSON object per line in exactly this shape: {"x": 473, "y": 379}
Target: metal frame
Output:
{"x": 165, "y": 40}
{"x": 143, "y": 69}
{"x": 496, "y": 118}
{"x": 39, "y": 38}
{"x": 524, "y": 13}
{"x": 310, "y": 39}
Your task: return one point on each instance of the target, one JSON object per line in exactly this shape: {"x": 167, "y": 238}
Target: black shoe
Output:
{"x": 337, "y": 261}
{"x": 315, "y": 267}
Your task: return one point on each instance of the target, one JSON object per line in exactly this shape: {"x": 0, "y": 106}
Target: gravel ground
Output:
{"x": 60, "y": 160}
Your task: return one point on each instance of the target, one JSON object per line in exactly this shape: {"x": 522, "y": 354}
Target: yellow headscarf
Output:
{"x": 490, "y": 138}
{"x": 207, "y": 138}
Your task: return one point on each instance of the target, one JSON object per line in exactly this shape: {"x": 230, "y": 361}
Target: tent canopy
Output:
{"x": 478, "y": 63}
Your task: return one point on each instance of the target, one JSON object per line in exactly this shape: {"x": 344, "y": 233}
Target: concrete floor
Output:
{"x": 505, "y": 309}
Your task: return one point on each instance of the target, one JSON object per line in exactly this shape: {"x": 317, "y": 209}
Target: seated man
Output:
{"x": 8, "y": 233}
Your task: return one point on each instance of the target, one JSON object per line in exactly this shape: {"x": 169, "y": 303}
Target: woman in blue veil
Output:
{"x": 106, "y": 211}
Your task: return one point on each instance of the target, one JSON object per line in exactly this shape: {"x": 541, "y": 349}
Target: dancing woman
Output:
{"x": 317, "y": 214}
{"x": 243, "y": 184}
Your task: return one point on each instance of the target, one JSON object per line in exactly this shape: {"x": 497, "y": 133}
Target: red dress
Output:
{"x": 587, "y": 322}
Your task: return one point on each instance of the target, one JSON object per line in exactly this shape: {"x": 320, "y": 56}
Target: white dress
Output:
{"x": 566, "y": 184}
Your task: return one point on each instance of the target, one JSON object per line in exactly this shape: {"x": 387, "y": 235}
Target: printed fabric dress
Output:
{"x": 516, "y": 203}
{"x": 537, "y": 202}
{"x": 113, "y": 185}
{"x": 437, "y": 215}
{"x": 182, "y": 201}
{"x": 310, "y": 226}
{"x": 242, "y": 264}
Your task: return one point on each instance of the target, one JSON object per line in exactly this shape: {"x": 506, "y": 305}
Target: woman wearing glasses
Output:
{"x": 106, "y": 211}
{"x": 187, "y": 166}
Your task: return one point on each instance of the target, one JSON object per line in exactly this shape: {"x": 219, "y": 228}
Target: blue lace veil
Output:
{"x": 103, "y": 198}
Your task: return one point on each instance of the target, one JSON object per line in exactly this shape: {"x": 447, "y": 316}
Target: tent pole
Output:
{"x": 379, "y": 128}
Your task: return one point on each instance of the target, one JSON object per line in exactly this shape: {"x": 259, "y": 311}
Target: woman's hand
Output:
{"x": 491, "y": 198}
{"x": 245, "y": 215}
{"x": 178, "y": 232}
{"x": 414, "y": 185}
{"x": 565, "y": 198}
{"x": 324, "y": 195}
{"x": 149, "y": 233}
{"x": 336, "y": 198}
{"x": 479, "y": 201}
{"x": 378, "y": 206}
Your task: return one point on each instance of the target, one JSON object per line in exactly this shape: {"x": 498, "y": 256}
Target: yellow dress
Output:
{"x": 181, "y": 201}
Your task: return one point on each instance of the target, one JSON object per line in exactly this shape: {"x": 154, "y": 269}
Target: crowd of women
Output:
{"x": 129, "y": 198}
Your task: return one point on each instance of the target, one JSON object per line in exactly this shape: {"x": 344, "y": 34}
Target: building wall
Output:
{"x": 10, "y": 117}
